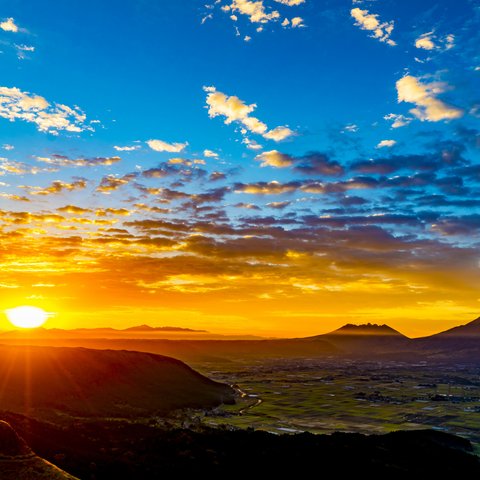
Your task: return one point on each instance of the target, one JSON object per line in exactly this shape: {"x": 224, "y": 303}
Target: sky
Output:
{"x": 271, "y": 167}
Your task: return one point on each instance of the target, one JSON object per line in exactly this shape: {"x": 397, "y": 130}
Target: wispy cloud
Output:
{"x": 16, "y": 104}
{"x": 63, "y": 161}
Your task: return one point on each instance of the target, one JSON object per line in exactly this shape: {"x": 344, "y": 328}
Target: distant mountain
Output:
{"x": 470, "y": 330}
{"x": 459, "y": 344}
{"x": 366, "y": 339}
{"x": 18, "y": 462}
{"x": 370, "y": 329}
{"x": 148, "y": 328}
{"x": 84, "y": 382}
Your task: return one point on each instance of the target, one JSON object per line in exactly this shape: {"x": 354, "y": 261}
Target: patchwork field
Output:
{"x": 371, "y": 397}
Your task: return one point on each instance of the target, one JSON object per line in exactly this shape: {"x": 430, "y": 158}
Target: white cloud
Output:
{"x": 274, "y": 158}
{"x": 254, "y": 10}
{"x": 161, "y": 146}
{"x": 290, "y": 3}
{"x": 351, "y": 128}
{"x": 7, "y": 146}
{"x": 127, "y": 148}
{"x": 370, "y": 21}
{"x": 210, "y": 154}
{"x": 9, "y": 25}
{"x": 425, "y": 41}
{"x": 449, "y": 41}
{"x": 252, "y": 144}
{"x": 424, "y": 96}
{"x": 18, "y": 105}
{"x": 429, "y": 41}
{"x": 23, "y": 50}
{"x": 236, "y": 110}
{"x": 279, "y": 133}
{"x": 398, "y": 120}
{"x": 297, "y": 22}
{"x": 386, "y": 143}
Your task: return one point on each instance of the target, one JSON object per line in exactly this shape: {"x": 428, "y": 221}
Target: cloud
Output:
{"x": 236, "y": 110}
{"x": 9, "y": 25}
{"x": 217, "y": 176}
{"x": 266, "y": 188}
{"x": 254, "y": 10}
{"x": 18, "y": 105}
{"x": 429, "y": 41}
{"x": 278, "y": 205}
{"x": 369, "y": 21}
{"x": 8, "y": 167}
{"x": 17, "y": 198}
{"x": 425, "y": 41}
{"x": 386, "y": 143}
{"x": 317, "y": 164}
{"x": 63, "y": 161}
{"x": 110, "y": 183}
{"x": 427, "y": 106}
{"x": 161, "y": 146}
{"x": 351, "y": 128}
{"x": 252, "y": 144}
{"x": 466, "y": 225}
{"x": 74, "y": 209}
{"x": 279, "y": 133}
{"x": 297, "y": 22}
{"x": 58, "y": 186}
{"x": 290, "y": 3}
{"x": 274, "y": 158}
{"x": 210, "y": 154}
{"x": 398, "y": 120}
{"x": 248, "y": 206}
{"x": 127, "y": 148}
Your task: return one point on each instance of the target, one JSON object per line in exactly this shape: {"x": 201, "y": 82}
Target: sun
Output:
{"x": 26, "y": 316}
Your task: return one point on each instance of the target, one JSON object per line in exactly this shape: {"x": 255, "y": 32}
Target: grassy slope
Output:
{"x": 101, "y": 382}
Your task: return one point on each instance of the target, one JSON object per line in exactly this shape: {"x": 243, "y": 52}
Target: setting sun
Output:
{"x": 26, "y": 316}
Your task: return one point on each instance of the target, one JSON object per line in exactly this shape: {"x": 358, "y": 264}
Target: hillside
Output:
{"x": 458, "y": 344}
{"x": 18, "y": 462}
{"x": 86, "y": 382}
{"x": 127, "y": 451}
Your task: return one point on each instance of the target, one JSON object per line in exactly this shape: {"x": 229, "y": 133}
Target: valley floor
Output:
{"x": 323, "y": 396}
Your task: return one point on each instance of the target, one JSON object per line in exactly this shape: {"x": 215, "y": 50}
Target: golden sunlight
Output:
{"x": 26, "y": 316}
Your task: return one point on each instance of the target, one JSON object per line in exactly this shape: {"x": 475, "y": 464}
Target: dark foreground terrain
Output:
{"x": 123, "y": 450}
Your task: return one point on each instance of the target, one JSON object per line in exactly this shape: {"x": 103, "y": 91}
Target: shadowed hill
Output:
{"x": 127, "y": 451}
{"x": 18, "y": 462}
{"x": 86, "y": 382}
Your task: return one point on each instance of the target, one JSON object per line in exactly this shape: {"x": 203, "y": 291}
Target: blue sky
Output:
{"x": 352, "y": 124}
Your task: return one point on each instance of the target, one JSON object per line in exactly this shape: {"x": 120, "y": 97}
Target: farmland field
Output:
{"x": 367, "y": 397}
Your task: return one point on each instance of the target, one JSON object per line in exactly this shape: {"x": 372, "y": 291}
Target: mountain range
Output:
{"x": 459, "y": 344}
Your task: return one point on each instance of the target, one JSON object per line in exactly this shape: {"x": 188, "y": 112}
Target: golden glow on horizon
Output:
{"x": 26, "y": 316}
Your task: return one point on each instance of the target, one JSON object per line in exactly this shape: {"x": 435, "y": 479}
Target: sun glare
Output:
{"x": 26, "y": 317}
